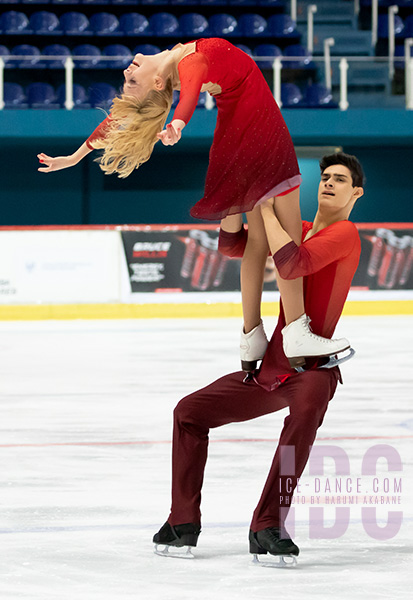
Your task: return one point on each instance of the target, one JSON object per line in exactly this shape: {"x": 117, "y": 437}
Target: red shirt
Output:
{"x": 327, "y": 261}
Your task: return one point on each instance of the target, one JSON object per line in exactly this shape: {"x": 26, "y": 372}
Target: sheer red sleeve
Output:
{"x": 99, "y": 132}
{"x": 193, "y": 70}
{"x": 232, "y": 244}
{"x": 329, "y": 245}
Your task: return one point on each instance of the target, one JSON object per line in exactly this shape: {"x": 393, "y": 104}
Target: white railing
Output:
{"x": 311, "y": 9}
{"x": 374, "y": 21}
{"x": 408, "y": 73}
{"x": 328, "y": 42}
{"x": 393, "y": 10}
{"x": 293, "y": 10}
{"x": 277, "y": 65}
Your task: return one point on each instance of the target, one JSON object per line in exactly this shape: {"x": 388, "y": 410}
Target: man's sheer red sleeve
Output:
{"x": 192, "y": 72}
{"x": 330, "y": 244}
{"x": 233, "y": 244}
{"x": 99, "y": 133}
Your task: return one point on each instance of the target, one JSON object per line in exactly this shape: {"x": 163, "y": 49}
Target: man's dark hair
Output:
{"x": 349, "y": 161}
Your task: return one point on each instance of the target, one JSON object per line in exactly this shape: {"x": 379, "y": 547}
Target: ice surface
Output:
{"x": 85, "y": 419}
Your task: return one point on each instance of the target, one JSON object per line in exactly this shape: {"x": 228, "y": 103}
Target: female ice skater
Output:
{"x": 252, "y": 159}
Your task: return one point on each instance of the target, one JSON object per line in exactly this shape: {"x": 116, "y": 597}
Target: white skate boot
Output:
{"x": 299, "y": 343}
{"x": 252, "y": 347}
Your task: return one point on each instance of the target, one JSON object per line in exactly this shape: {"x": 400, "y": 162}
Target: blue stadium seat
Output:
{"x": 104, "y": 23}
{"x": 41, "y": 95}
{"x": 93, "y": 52}
{"x": 242, "y": 3}
{"x": 175, "y": 99}
{"x": 4, "y": 53}
{"x": 134, "y": 24}
{"x": 398, "y": 52}
{"x": 155, "y": 2}
{"x": 148, "y": 49}
{"x": 282, "y": 26}
{"x": 65, "y": 2}
{"x": 201, "y": 100}
{"x": 124, "y": 2}
{"x": 14, "y": 22}
{"x": 164, "y": 24}
{"x": 193, "y": 24}
{"x": 266, "y": 50}
{"x": 318, "y": 96}
{"x": 408, "y": 26}
{"x": 212, "y": 2}
{"x": 245, "y": 49}
{"x": 252, "y": 25}
{"x": 55, "y": 50}
{"x": 75, "y": 23}
{"x": 383, "y": 27}
{"x": 272, "y": 3}
{"x": 14, "y": 96}
{"x": 9, "y": 2}
{"x": 291, "y": 96}
{"x": 101, "y": 95}
{"x": 80, "y": 98}
{"x": 96, "y": 2}
{"x": 45, "y": 23}
{"x": 223, "y": 25}
{"x": 304, "y": 57}
{"x": 32, "y": 53}
{"x": 117, "y": 50}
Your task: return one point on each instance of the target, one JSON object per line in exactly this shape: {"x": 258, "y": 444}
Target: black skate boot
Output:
{"x": 276, "y": 542}
{"x": 177, "y": 536}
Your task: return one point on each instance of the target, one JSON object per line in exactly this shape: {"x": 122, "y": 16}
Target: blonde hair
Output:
{"x": 131, "y": 134}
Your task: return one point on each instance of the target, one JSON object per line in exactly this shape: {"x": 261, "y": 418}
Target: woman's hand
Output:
{"x": 55, "y": 164}
{"x": 169, "y": 136}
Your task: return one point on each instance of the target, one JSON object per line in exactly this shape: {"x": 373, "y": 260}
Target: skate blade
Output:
{"x": 333, "y": 361}
{"x": 282, "y": 561}
{"x": 173, "y": 551}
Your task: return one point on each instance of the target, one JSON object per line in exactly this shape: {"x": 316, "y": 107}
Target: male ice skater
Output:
{"x": 327, "y": 259}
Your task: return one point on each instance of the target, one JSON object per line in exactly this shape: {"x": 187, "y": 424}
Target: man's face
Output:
{"x": 336, "y": 188}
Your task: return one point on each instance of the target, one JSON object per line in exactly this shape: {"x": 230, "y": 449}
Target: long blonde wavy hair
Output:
{"x": 131, "y": 134}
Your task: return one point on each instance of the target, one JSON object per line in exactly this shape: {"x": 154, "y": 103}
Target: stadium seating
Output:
{"x": 14, "y": 96}
{"x": 223, "y": 25}
{"x": 45, "y": 23}
{"x": 32, "y": 53}
{"x": 282, "y": 26}
{"x": 4, "y": 53}
{"x": 104, "y": 24}
{"x": 92, "y": 52}
{"x": 146, "y": 49}
{"x": 117, "y": 50}
{"x": 55, "y": 50}
{"x": 252, "y": 25}
{"x": 75, "y": 23}
{"x": 134, "y": 24}
{"x": 14, "y": 22}
{"x": 101, "y": 95}
{"x": 383, "y": 27}
{"x": 164, "y": 24}
{"x": 318, "y": 96}
{"x": 291, "y": 96}
{"x": 269, "y": 51}
{"x": 193, "y": 24}
{"x": 80, "y": 98}
{"x": 304, "y": 58}
{"x": 41, "y": 95}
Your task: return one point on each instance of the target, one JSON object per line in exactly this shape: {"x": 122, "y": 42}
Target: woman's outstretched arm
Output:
{"x": 62, "y": 162}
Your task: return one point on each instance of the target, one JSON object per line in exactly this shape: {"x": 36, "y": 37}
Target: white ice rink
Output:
{"x": 85, "y": 418}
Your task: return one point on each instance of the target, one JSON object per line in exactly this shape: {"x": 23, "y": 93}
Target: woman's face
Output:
{"x": 140, "y": 75}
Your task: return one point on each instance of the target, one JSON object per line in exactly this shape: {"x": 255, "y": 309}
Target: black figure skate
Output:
{"x": 275, "y": 542}
{"x": 176, "y": 541}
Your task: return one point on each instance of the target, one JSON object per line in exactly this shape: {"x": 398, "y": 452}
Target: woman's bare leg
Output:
{"x": 252, "y": 270}
{"x": 287, "y": 209}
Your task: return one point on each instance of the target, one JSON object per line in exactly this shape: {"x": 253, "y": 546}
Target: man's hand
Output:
{"x": 170, "y": 135}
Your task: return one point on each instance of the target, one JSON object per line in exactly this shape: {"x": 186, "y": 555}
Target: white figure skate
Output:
{"x": 252, "y": 347}
{"x": 299, "y": 343}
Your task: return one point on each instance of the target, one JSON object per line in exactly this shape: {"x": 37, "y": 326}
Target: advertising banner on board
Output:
{"x": 186, "y": 259}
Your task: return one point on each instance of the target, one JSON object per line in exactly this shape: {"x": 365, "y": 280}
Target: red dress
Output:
{"x": 252, "y": 155}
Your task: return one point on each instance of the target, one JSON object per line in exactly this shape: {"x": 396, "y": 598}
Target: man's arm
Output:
{"x": 327, "y": 246}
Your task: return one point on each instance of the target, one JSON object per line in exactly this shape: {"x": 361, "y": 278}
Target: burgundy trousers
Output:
{"x": 229, "y": 400}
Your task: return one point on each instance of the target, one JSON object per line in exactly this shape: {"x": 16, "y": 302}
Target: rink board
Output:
{"x": 171, "y": 271}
